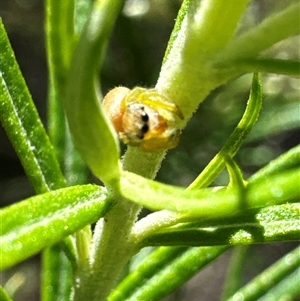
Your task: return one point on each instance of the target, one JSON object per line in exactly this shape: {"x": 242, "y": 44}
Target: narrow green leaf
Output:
{"x": 59, "y": 285}
{"x": 210, "y": 202}
{"x": 148, "y": 268}
{"x": 92, "y": 133}
{"x": 40, "y": 221}
{"x": 274, "y": 190}
{"x": 234, "y": 272}
{"x": 172, "y": 272}
{"x": 270, "y": 277}
{"x": 60, "y": 40}
{"x": 23, "y": 126}
{"x": 271, "y": 224}
{"x": 288, "y": 160}
{"x": 143, "y": 284}
{"x": 287, "y": 289}
{"x": 273, "y": 29}
{"x": 277, "y": 66}
{"x": 57, "y": 277}
{"x": 56, "y": 123}
{"x": 234, "y": 142}
{"x": 271, "y": 217}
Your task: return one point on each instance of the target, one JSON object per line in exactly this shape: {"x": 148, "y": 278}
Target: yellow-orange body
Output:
{"x": 143, "y": 118}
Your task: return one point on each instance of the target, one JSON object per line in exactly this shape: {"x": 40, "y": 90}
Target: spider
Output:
{"x": 143, "y": 118}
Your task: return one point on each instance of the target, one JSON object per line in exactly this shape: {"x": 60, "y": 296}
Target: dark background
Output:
{"x": 134, "y": 58}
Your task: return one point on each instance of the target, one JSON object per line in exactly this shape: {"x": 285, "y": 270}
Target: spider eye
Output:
{"x": 145, "y": 117}
{"x": 145, "y": 128}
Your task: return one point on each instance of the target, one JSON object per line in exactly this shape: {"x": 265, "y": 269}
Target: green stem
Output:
{"x": 186, "y": 76}
{"x": 111, "y": 251}
{"x": 142, "y": 163}
{"x": 207, "y": 17}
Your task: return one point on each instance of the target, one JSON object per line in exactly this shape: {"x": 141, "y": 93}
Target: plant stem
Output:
{"x": 112, "y": 251}
{"x": 186, "y": 76}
